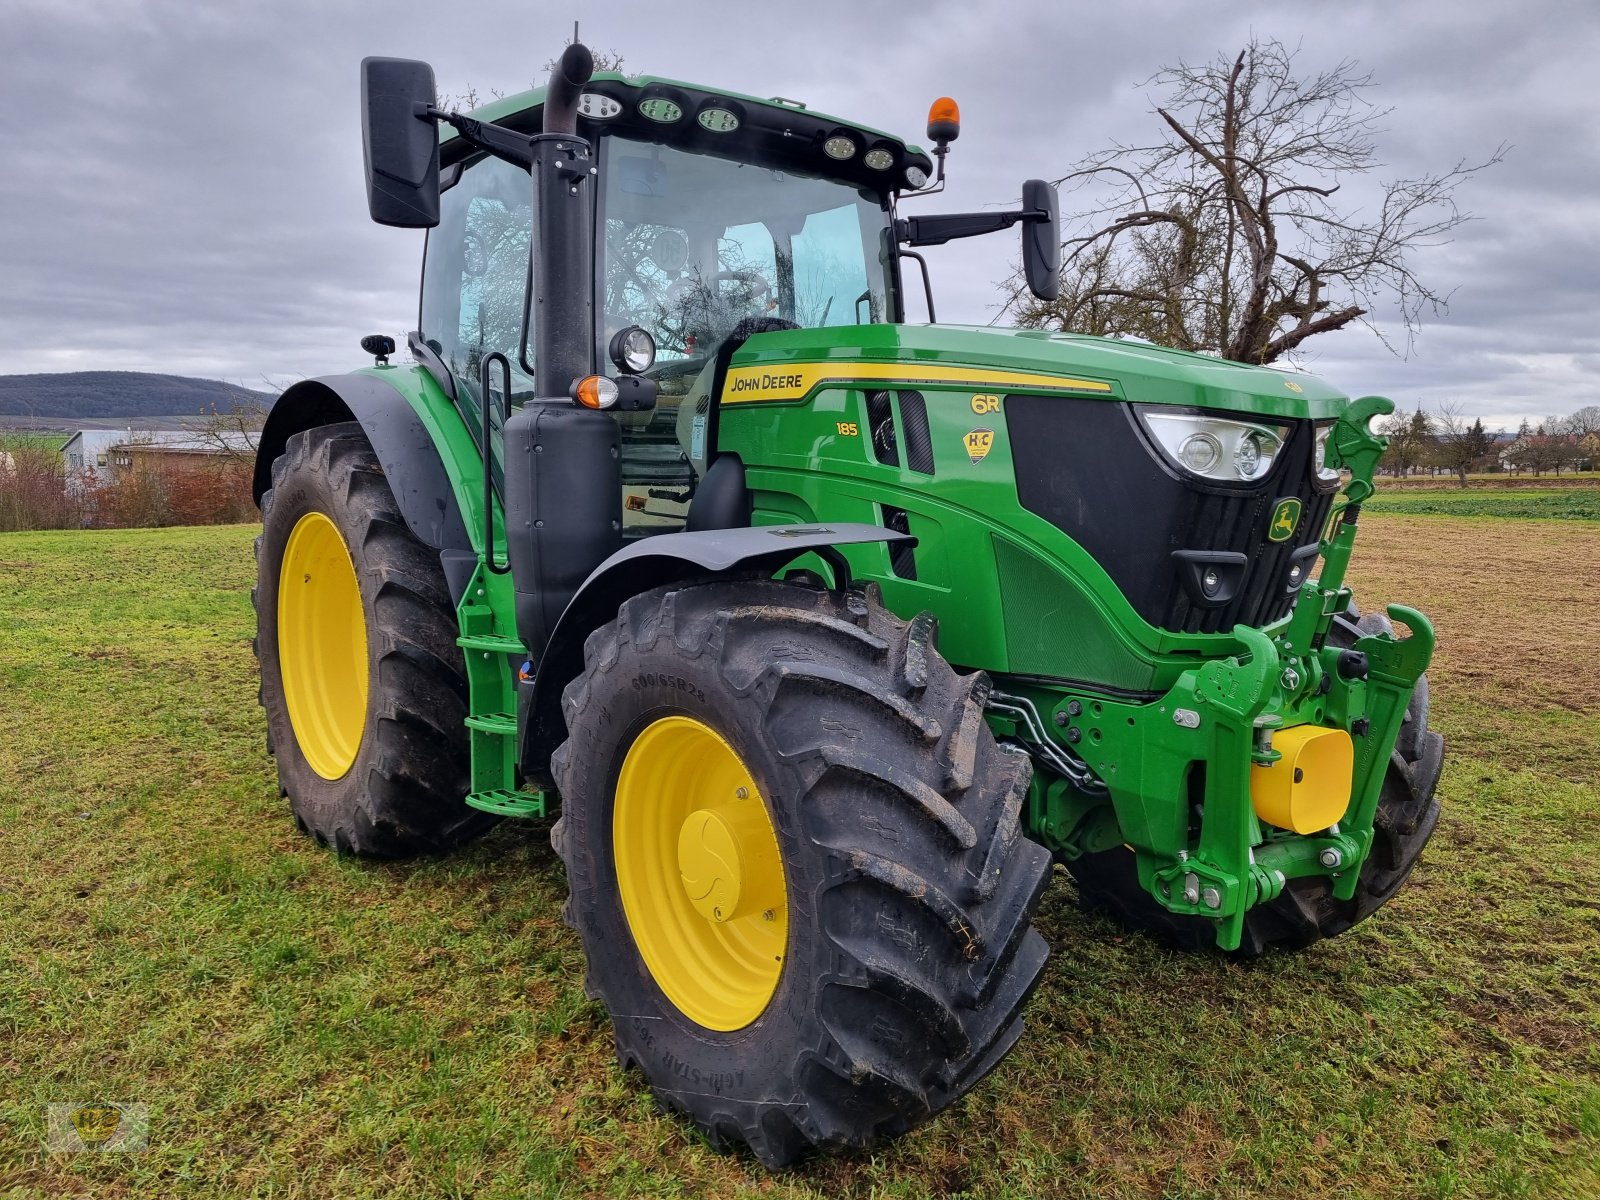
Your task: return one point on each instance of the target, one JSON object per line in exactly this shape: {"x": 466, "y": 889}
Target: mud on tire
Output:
{"x": 404, "y": 793}
{"x": 910, "y": 886}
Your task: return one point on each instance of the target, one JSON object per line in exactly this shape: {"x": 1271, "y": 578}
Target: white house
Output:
{"x": 101, "y": 451}
{"x": 90, "y": 450}
{"x": 176, "y": 443}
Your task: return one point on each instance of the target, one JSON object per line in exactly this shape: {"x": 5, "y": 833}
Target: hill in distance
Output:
{"x": 126, "y": 394}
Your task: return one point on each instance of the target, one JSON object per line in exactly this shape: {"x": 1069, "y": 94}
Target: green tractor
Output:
{"x": 824, "y": 635}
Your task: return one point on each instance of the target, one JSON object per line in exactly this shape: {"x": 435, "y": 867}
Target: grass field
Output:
{"x": 11, "y": 440}
{"x": 1491, "y": 481}
{"x": 302, "y": 1026}
{"x": 1568, "y": 504}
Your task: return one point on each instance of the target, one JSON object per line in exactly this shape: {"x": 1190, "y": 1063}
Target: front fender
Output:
{"x": 411, "y": 461}
{"x": 654, "y": 562}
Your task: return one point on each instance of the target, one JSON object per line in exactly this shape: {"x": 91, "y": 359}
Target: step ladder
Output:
{"x": 492, "y": 657}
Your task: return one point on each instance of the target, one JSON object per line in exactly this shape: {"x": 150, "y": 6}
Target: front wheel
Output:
{"x": 796, "y": 863}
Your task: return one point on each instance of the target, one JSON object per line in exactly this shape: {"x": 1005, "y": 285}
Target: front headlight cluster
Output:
{"x": 1211, "y": 447}
{"x": 1325, "y": 473}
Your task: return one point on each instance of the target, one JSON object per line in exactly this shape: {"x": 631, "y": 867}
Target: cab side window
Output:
{"x": 475, "y": 277}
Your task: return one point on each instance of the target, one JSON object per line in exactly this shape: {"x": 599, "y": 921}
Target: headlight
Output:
{"x": 1211, "y": 446}
{"x": 1320, "y": 455}
{"x": 1200, "y": 452}
{"x": 633, "y": 349}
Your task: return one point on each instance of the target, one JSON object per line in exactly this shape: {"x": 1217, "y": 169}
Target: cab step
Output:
{"x": 491, "y": 643}
{"x": 507, "y": 803}
{"x": 504, "y": 724}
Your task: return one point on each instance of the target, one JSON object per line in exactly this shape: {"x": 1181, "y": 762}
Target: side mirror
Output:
{"x": 399, "y": 142}
{"x": 1041, "y": 239}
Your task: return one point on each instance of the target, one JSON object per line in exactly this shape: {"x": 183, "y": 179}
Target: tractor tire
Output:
{"x": 363, "y": 685}
{"x": 1306, "y": 911}
{"x": 888, "y": 947}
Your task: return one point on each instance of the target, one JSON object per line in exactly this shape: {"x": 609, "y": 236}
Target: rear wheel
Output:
{"x": 796, "y": 863}
{"x": 1306, "y": 911}
{"x": 363, "y": 685}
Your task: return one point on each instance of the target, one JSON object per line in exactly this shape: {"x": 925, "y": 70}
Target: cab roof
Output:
{"x": 773, "y": 131}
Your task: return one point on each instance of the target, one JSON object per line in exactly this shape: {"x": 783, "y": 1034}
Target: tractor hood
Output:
{"x": 787, "y": 364}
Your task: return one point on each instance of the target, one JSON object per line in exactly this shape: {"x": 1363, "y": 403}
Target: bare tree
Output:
{"x": 1459, "y": 443}
{"x": 1548, "y": 446}
{"x": 470, "y": 98}
{"x": 1585, "y": 422}
{"x": 231, "y": 434}
{"x": 604, "y": 60}
{"x": 1410, "y": 441}
{"x": 1223, "y": 235}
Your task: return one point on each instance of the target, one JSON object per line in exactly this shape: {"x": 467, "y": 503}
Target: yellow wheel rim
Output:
{"x": 322, "y": 645}
{"x": 699, "y": 872}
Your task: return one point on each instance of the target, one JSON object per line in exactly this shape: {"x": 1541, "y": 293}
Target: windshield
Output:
{"x": 694, "y": 245}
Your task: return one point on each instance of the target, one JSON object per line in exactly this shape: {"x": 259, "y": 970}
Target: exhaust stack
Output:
{"x": 563, "y": 471}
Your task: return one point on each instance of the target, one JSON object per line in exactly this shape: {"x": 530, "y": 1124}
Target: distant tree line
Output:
{"x": 1446, "y": 440}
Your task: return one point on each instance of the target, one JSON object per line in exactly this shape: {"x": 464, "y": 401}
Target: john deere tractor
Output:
{"x": 820, "y": 634}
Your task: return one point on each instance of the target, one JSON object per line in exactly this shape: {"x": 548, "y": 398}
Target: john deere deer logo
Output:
{"x": 1285, "y": 519}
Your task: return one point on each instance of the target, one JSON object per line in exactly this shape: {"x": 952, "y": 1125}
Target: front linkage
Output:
{"x": 1182, "y": 780}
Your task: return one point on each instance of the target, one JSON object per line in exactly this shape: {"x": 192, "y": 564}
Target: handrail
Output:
{"x": 484, "y": 364}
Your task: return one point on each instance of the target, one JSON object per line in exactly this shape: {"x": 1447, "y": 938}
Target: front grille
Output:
{"x": 1086, "y": 467}
{"x": 1235, "y": 523}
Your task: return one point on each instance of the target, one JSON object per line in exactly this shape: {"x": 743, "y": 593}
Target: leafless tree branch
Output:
{"x": 1223, "y": 236}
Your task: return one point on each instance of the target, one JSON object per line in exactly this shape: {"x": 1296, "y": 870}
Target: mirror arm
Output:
{"x": 940, "y": 228}
{"x": 485, "y": 135}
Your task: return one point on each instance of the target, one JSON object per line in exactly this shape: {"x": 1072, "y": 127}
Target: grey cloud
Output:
{"x": 182, "y": 188}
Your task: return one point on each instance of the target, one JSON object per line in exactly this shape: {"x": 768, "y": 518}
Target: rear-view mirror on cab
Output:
{"x": 1041, "y": 239}
{"x": 400, "y": 142}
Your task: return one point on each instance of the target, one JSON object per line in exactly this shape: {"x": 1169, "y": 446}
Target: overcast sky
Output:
{"x": 182, "y": 188}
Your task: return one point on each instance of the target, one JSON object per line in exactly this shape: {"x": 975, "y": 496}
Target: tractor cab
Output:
{"x": 716, "y": 217}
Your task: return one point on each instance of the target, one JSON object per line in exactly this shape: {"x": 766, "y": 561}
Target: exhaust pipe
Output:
{"x": 563, "y": 478}
{"x": 572, "y": 70}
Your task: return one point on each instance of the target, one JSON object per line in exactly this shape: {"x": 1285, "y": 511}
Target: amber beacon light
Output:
{"x": 944, "y": 121}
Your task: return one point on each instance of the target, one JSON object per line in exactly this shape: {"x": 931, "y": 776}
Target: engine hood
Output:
{"x": 787, "y": 364}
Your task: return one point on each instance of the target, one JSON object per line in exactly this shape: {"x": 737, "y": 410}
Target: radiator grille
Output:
{"x": 1085, "y": 466}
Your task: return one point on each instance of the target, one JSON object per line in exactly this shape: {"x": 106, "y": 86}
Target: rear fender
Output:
{"x": 659, "y": 561}
{"x": 410, "y": 448}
